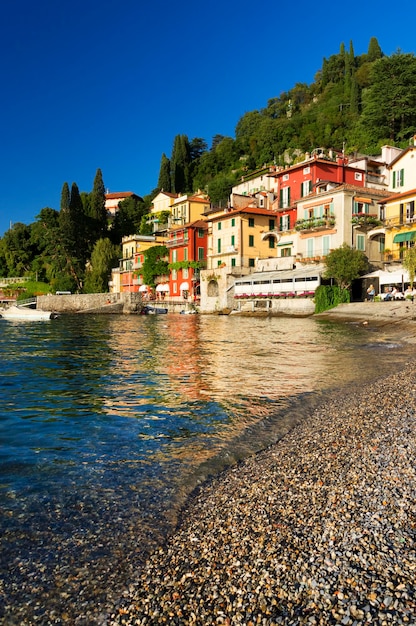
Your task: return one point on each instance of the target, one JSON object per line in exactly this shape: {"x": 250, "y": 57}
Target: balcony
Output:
{"x": 179, "y": 240}
{"x": 315, "y": 224}
{"x": 365, "y": 220}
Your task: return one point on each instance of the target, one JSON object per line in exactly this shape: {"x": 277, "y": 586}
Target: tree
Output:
{"x": 73, "y": 233}
{"x": 97, "y": 207}
{"x": 390, "y": 102}
{"x": 104, "y": 257}
{"x": 409, "y": 264}
{"x": 45, "y": 236}
{"x": 374, "y": 50}
{"x": 345, "y": 264}
{"x": 65, "y": 196}
{"x": 155, "y": 264}
{"x": 18, "y": 250}
{"x": 164, "y": 182}
{"x": 180, "y": 165}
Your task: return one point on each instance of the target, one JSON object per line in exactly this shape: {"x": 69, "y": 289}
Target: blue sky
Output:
{"x": 88, "y": 83}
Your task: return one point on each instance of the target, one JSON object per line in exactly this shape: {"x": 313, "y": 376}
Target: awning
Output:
{"x": 404, "y": 236}
{"x": 184, "y": 287}
{"x": 161, "y": 287}
{"x": 143, "y": 288}
{"x": 285, "y": 243}
{"x": 364, "y": 200}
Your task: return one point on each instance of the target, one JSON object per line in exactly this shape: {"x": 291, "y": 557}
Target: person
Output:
{"x": 371, "y": 292}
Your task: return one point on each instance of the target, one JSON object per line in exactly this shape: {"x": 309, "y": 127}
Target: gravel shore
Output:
{"x": 318, "y": 529}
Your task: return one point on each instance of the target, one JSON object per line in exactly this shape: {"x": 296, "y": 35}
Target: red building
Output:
{"x": 187, "y": 247}
{"x": 298, "y": 181}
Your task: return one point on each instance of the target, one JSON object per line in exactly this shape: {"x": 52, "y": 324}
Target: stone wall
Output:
{"x": 91, "y": 303}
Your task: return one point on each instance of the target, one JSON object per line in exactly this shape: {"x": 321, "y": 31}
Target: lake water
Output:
{"x": 108, "y": 422}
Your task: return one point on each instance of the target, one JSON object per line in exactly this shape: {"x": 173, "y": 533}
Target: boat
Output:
{"x": 23, "y": 313}
{"x": 152, "y": 310}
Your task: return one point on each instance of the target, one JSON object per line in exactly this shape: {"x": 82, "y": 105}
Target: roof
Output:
{"x": 197, "y": 224}
{"x": 399, "y": 156}
{"x": 399, "y": 196}
{"x": 308, "y": 271}
{"x": 250, "y": 210}
{"x": 378, "y": 193}
{"x": 120, "y": 194}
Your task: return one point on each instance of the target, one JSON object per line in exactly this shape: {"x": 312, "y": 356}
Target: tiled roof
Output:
{"x": 120, "y": 194}
{"x": 399, "y": 196}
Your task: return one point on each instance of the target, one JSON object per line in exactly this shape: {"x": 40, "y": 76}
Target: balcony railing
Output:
{"x": 366, "y": 219}
{"x": 315, "y": 223}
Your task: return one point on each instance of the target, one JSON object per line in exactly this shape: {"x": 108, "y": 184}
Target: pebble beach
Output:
{"x": 317, "y": 529}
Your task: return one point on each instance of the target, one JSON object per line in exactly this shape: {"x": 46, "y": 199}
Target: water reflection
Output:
{"x": 106, "y": 423}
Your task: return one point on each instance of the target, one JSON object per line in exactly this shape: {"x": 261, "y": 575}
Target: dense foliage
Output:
{"x": 345, "y": 264}
{"x": 329, "y": 296}
{"x": 355, "y": 104}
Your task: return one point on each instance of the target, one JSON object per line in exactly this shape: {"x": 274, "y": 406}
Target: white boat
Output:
{"x": 21, "y": 313}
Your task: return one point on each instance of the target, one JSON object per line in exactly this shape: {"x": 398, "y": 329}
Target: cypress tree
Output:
{"x": 164, "y": 182}
{"x": 180, "y": 165}
{"x": 97, "y": 207}
{"x": 65, "y": 196}
{"x": 374, "y": 50}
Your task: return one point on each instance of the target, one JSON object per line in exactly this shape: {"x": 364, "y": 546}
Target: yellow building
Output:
{"x": 236, "y": 241}
{"x": 399, "y": 208}
{"x": 171, "y": 209}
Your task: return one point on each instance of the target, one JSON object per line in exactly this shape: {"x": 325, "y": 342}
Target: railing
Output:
{"x": 366, "y": 219}
{"x": 315, "y": 223}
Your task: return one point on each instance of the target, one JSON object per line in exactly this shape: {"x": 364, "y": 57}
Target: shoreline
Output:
{"x": 281, "y": 538}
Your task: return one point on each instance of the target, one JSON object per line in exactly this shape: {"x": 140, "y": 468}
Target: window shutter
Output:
{"x": 310, "y": 186}
{"x": 288, "y": 196}
{"x": 281, "y": 199}
{"x": 401, "y": 177}
{"x": 394, "y": 180}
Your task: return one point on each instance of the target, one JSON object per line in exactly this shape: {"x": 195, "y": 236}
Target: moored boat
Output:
{"x": 23, "y": 313}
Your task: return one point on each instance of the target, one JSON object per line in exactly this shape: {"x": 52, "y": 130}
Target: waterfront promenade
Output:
{"x": 318, "y": 529}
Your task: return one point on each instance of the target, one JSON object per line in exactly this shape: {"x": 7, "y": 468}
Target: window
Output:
{"x": 326, "y": 242}
{"x": 398, "y": 178}
{"x": 200, "y": 254}
{"x": 219, "y": 246}
{"x": 219, "y": 225}
{"x": 284, "y": 222}
{"x": 251, "y": 221}
{"x": 233, "y": 240}
{"x": 310, "y": 247}
{"x": 286, "y": 252}
{"x": 306, "y": 188}
{"x": 200, "y": 232}
{"x": 251, "y": 240}
{"x": 233, "y": 221}
{"x": 233, "y": 262}
{"x": 175, "y": 288}
{"x": 272, "y": 224}
{"x": 361, "y": 242}
{"x": 185, "y": 272}
{"x": 174, "y": 256}
{"x": 358, "y": 176}
{"x": 307, "y": 170}
{"x": 272, "y": 242}
{"x": 174, "y": 274}
{"x": 410, "y": 211}
{"x": 219, "y": 263}
{"x": 285, "y": 177}
{"x": 361, "y": 207}
{"x": 284, "y": 198}
{"x": 251, "y": 262}
{"x": 185, "y": 254}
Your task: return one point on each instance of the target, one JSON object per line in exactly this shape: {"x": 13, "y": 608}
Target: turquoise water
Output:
{"x": 107, "y": 423}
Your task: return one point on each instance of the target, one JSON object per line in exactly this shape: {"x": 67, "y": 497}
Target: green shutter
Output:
{"x": 288, "y": 196}
{"x": 394, "y": 180}
{"x": 281, "y": 199}
{"x": 401, "y": 178}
